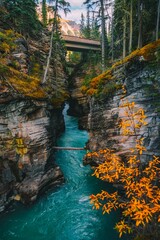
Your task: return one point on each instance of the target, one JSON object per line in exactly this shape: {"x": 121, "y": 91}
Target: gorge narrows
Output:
{"x": 64, "y": 213}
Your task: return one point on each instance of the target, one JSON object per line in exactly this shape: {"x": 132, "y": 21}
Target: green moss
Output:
{"x": 59, "y": 98}
{"x": 3, "y": 69}
{"x": 102, "y": 83}
{"x": 109, "y": 89}
{"x": 36, "y": 69}
{"x": 7, "y": 41}
{"x": 24, "y": 84}
{"x": 28, "y": 85}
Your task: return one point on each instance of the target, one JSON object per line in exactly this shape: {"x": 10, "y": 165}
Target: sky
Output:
{"x": 77, "y": 8}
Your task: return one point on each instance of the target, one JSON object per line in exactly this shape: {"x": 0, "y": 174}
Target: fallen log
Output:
{"x": 68, "y": 148}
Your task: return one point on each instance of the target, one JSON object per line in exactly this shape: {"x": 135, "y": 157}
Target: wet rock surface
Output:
{"x": 142, "y": 84}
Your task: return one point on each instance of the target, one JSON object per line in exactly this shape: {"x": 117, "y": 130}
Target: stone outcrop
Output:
{"x": 28, "y": 130}
{"x": 141, "y": 80}
{"x": 78, "y": 102}
{"x": 30, "y": 121}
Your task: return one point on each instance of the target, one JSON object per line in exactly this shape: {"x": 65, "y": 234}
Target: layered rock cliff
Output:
{"x": 78, "y": 102}
{"x": 142, "y": 84}
{"x": 136, "y": 80}
{"x": 30, "y": 118}
{"x": 28, "y": 130}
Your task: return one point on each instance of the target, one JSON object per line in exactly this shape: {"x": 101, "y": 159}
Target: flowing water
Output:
{"x": 65, "y": 213}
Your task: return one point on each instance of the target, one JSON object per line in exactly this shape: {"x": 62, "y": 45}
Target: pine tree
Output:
{"x": 23, "y": 16}
{"x": 58, "y": 4}
{"x": 95, "y": 33}
{"x": 44, "y": 13}
{"x": 134, "y": 24}
{"x": 100, "y": 5}
{"x": 88, "y": 29}
{"x": 82, "y": 25}
{"x": 158, "y": 16}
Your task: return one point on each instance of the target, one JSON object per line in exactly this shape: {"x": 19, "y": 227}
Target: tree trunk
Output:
{"x": 103, "y": 35}
{"x": 54, "y": 27}
{"x": 112, "y": 39}
{"x": 68, "y": 148}
{"x": 48, "y": 58}
{"x": 158, "y": 15}
{"x": 131, "y": 27}
{"x": 124, "y": 32}
{"x": 140, "y": 24}
{"x": 88, "y": 23}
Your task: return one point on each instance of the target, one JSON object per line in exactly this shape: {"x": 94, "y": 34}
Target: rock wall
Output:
{"x": 30, "y": 119}
{"x": 78, "y": 102}
{"x": 28, "y": 130}
{"x": 142, "y": 84}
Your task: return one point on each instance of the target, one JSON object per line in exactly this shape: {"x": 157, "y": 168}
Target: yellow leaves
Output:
{"x": 133, "y": 119}
{"x": 122, "y": 227}
{"x": 19, "y": 141}
{"x": 141, "y": 212}
{"x": 129, "y": 105}
{"x": 109, "y": 170}
{"x": 124, "y": 89}
{"x": 4, "y": 47}
{"x": 21, "y": 149}
{"x": 17, "y": 197}
{"x": 125, "y": 125}
{"x": 91, "y": 91}
{"x": 148, "y": 50}
{"x": 83, "y": 89}
{"x": 140, "y": 203}
{"x": 140, "y": 148}
{"x": 152, "y": 171}
{"x": 133, "y": 161}
{"x": 93, "y": 86}
{"x": 110, "y": 198}
{"x": 95, "y": 201}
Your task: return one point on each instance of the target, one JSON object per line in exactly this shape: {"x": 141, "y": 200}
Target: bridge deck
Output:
{"x": 81, "y": 44}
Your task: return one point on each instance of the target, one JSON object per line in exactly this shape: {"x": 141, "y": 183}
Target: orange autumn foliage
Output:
{"x": 147, "y": 53}
{"x": 140, "y": 204}
{"x": 24, "y": 84}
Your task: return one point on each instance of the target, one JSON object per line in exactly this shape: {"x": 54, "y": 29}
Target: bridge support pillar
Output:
{"x": 84, "y": 56}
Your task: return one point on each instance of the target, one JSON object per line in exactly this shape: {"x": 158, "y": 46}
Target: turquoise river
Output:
{"x": 64, "y": 213}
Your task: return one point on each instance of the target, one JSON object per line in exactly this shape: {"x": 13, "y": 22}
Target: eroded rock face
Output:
{"x": 28, "y": 130}
{"x": 142, "y": 84}
{"x": 79, "y": 103}
{"x": 30, "y": 125}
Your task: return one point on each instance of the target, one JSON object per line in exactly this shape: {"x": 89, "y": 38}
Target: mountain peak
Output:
{"x": 68, "y": 27}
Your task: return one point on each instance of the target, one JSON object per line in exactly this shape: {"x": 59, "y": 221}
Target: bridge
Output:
{"x": 79, "y": 44}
